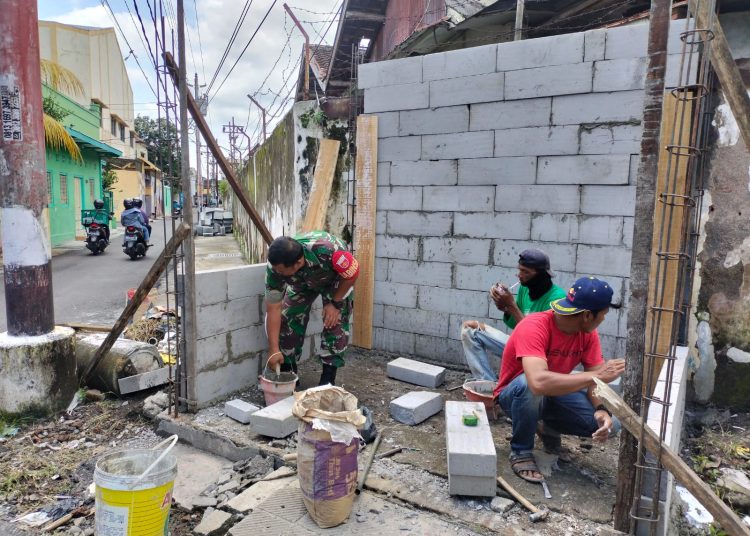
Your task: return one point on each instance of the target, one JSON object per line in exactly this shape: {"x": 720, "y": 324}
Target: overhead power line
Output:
{"x": 232, "y": 38}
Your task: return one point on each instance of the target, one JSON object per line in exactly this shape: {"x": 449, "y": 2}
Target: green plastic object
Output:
{"x": 470, "y": 419}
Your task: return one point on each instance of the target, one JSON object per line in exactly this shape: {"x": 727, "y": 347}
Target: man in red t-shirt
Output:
{"x": 535, "y": 381}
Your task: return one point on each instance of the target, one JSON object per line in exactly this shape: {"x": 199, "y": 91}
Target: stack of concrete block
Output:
{"x": 416, "y": 372}
{"x": 415, "y": 407}
{"x": 275, "y": 420}
{"x": 472, "y": 459}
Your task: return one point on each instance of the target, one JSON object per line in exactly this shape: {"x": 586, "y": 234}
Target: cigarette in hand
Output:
{"x": 514, "y": 285}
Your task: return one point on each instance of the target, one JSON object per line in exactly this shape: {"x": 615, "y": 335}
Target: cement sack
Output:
{"x": 327, "y": 449}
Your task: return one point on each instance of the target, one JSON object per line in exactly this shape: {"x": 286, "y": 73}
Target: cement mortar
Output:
{"x": 37, "y": 374}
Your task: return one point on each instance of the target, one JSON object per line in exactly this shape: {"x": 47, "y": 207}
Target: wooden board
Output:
{"x": 325, "y": 169}
{"x": 366, "y": 173}
{"x": 671, "y": 177}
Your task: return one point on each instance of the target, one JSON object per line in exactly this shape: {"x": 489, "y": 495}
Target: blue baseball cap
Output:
{"x": 586, "y": 294}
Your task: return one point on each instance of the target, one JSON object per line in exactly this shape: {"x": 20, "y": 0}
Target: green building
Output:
{"x": 73, "y": 185}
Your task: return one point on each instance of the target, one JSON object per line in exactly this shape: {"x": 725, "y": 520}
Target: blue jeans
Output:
{"x": 571, "y": 414}
{"x": 477, "y": 343}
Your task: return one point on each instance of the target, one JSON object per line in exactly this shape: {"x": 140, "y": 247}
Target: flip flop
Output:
{"x": 525, "y": 462}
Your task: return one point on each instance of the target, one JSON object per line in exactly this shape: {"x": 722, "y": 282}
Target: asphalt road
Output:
{"x": 93, "y": 290}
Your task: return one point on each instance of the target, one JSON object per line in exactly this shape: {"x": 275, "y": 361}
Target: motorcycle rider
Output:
{"x": 101, "y": 216}
{"x": 132, "y": 216}
{"x": 139, "y": 204}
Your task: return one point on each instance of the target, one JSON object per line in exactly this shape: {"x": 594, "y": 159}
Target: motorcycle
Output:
{"x": 96, "y": 223}
{"x": 134, "y": 244}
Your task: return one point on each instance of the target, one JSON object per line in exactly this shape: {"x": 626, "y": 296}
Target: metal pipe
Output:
{"x": 363, "y": 478}
{"x": 306, "y": 89}
{"x": 263, "y": 112}
{"x": 23, "y": 180}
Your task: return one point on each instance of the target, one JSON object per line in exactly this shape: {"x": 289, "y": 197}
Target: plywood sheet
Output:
{"x": 366, "y": 173}
{"x": 325, "y": 169}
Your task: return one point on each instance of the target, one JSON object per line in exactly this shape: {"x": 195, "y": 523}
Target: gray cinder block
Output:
{"x": 475, "y": 486}
{"x": 393, "y": 98}
{"x": 415, "y": 407}
{"x": 275, "y": 420}
{"x": 553, "y": 50}
{"x": 410, "y": 371}
{"x": 239, "y": 410}
{"x": 466, "y": 90}
{"x": 471, "y": 450}
{"x": 548, "y": 81}
{"x": 416, "y": 321}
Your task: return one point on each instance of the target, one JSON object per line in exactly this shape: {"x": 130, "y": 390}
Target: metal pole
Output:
{"x": 640, "y": 262}
{"x": 520, "y": 5}
{"x": 263, "y": 112}
{"x": 198, "y": 180}
{"x": 306, "y": 89}
{"x": 189, "y": 308}
{"x": 23, "y": 180}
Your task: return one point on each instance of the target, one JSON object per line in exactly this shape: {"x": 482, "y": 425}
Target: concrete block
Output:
{"x": 211, "y": 287}
{"x": 620, "y": 75}
{"x": 602, "y": 261}
{"x": 612, "y": 347}
{"x": 505, "y": 115}
{"x": 508, "y": 225}
{"x": 416, "y": 406}
{"x": 475, "y": 486}
{"x": 608, "y": 200}
{"x": 383, "y": 179}
{"x": 460, "y": 145}
{"x": 562, "y": 256}
{"x": 548, "y": 81}
{"x": 442, "y": 349}
{"x": 622, "y": 106}
{"x": 428, "y": 173}
{"x": 399, "y": 294}
{"x": 247, "y": 340}
{"x": 594, "y": 42}
{"x": 536, "y": 141}
{"x": 420, "y": 223}
{"x": 417, "y": 273}
{"x": 554, "y": 50}
{"x": 533, "y": 198}
{"x": 228, "y": 316}
{"x": 554, "y": 227}
{"x": 676, "y": 76}
{"x": 416, "y": 321}
{"x": 381, "y": 269}
{"x": 627, "y": 232}
{"x": 461, "y": 250}
{"x": 239, "y": 410}
{"x": 434, "y": 121}
{"x": 389, "y": 340}
{"x": 244, "y": 281}
{"x": 449, "y": 300}
{"x": 218, "y": 382}
{"x": 629, "y": 41}
{"x": 397, "y": 247}
{"x": 601, "y": 230}
{"x": 497, "y": 171}
{"x": 275, "y": 420}
{"x": 635, "y": 160}
{"x": 143, "y": 381}
{"x": 399, "y": 198}
{"x": 466, "y": 90}
{"x": 584, "y": 169}
{"x": 471, "y": 450}
{"x": 482, "y": 277}
{"x": 402, "y": 148}
{"x": 416, "y": 372}
{"x": 458, "y": 198}
{"x": 388, "y": 124}
{"x": 460, "y": 63}
{"x": 377, "y": 314}
{"x": 381, "y": 222}
{"x": 611, "y": 139}
{"x": 389, "y": 73}
{"x": 213, "y": 522}
{"x": 397, "y": 98}
{"x": 212, "y": 351}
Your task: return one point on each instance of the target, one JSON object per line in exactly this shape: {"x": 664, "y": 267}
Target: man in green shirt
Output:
{"x": 535, "y": 295}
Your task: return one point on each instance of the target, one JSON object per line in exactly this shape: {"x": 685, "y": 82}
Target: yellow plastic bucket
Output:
{"x": 134, "y": 491}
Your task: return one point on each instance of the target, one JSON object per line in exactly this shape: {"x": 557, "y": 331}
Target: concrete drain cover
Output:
{"x": 223, "y": 255}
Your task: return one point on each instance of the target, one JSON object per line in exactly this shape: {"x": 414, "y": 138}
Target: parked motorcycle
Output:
{"x": 134, "y": 244}
{"x": 96, "y": 223}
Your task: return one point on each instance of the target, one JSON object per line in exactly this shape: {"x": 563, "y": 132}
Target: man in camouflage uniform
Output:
{"x": 300, "y": 269}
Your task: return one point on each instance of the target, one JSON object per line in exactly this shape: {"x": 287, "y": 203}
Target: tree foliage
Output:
{"x": 109, "y": 177}
{"x": 161, "y": 140}
{"x": 60, "y": 79}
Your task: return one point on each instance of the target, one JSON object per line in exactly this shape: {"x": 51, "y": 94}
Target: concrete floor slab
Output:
{"x": 196, "y": 470}
{"x": 258, "y": 493}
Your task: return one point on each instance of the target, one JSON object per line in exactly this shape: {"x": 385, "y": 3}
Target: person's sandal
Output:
{"x": 552, "y": 444}
{"x": 525, "y": 462}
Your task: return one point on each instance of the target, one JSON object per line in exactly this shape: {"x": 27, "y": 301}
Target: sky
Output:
{"x": 257, "y": 71}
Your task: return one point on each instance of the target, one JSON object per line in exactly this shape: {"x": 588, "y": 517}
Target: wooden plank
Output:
{"x": 672, "y": 177}
{"x": 141, "y": 382}
{"x": 153, "y": 275}
{"x": 325, "y": 170}
{"x": 366, "y": 173}
{"x": 671, "y": 461}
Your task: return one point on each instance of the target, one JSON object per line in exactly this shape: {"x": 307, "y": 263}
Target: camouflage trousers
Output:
{"x": 295, "y": 314}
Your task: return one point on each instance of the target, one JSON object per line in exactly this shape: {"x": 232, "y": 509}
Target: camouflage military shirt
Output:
{"x": 316, "y": 274}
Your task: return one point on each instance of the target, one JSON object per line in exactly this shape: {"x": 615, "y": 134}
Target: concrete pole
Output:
{"x": 189, "y": 310}
{"x": 520, "y": 5}
{"x": 38, "y": 371}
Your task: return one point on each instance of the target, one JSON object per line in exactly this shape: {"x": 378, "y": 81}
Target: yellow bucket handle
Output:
{"x": 173, "y": 439}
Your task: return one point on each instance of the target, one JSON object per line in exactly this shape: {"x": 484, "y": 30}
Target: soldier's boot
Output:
{"x": 328, "y": 375}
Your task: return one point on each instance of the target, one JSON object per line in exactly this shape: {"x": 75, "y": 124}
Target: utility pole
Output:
{"x": 263, "y": 113}
{"x": 520, "y": 5}
{"x": 306, "y": 89}
{"x": 234, "y": 130}
{"x": 188, "y": 245}
{"x": 39, "y": 372}
{"x": 198, "y": 183}
{"x": 628, "y": 492}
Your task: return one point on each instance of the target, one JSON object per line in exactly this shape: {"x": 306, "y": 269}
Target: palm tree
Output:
{"x": 60, "y": 79}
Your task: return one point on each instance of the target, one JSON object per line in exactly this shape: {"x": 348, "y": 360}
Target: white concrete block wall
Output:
{"x": 490, "y": 150}
{"x": 232, "y": 341}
